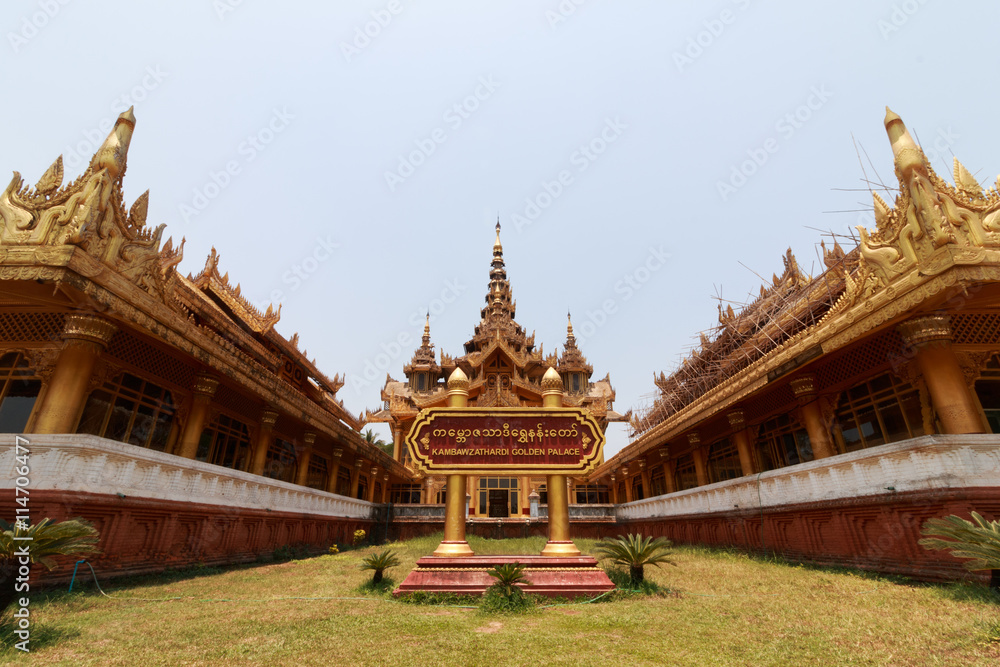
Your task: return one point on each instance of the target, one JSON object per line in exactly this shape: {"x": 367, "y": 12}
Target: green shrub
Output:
{"x": 379, "y": 563}
{"x": 505, "y": 595}
{"x": 635, "y": 552}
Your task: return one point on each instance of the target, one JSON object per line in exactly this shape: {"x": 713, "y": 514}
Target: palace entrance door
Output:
{"x": 499, "y": 503}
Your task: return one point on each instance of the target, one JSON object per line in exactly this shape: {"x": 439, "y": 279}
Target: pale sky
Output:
{"x": 350, "y": 159}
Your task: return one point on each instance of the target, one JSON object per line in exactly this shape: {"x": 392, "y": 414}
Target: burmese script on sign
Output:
{"x": 564, "y": 439}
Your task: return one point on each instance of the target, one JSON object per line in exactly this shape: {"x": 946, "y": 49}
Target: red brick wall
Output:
{"x": 877, "y": 533}
{"x": 141, "y": 535}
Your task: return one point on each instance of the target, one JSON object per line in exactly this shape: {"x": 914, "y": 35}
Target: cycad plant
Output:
{"x": 379, "y": 562}
{"x": 977, "y": 540}
{"x": 635, "y": 552}
{"x": 508, "y": 576}
{"x": 43, "y": 541}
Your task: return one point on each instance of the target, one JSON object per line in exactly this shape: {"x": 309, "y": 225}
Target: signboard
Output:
{"x": 515, "y": 441}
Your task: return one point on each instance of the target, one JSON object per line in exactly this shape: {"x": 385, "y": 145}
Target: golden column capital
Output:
{"x": 205, "y": 384}
{"x": 552, "y": 389}
{"x": 641, "y": 463}
{"x": 804, "y": 388}
{"x": 694, "y": 438}
{"x": 91, "y": 328}
{"x": 309, "y": 438}
{"x": 268, "y": 418}
{"x": 664, "y": 452}
{"x": 925, "y": 330}
{"x": 737, "y": 420}
{"x": 337, "y": 452}
{"x": 458, "y": 389}
{"x": 359, "y": 463}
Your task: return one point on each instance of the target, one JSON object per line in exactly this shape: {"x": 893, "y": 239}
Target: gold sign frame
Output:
{"x": 427, "y": 416}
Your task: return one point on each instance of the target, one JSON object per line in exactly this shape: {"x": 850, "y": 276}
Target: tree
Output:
{"x": 635, "y": 552}
{"x": 374, "y": 440}
{"x": 43, "y": 540}
{"x": 977, "y": 540}
{"x": 379, "y": 562}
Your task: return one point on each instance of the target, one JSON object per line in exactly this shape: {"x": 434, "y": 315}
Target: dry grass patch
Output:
{"x": 729, "y": 609}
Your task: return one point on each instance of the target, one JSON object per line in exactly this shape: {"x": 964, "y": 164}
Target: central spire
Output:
{"x": 497, "y": 317}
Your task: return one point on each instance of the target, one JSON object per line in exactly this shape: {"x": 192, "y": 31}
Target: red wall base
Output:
{"x": 878, "y": 533}
{"x": 141, "y": 535}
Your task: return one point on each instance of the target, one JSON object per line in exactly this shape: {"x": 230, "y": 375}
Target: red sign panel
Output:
{"x": 532, "y": 441}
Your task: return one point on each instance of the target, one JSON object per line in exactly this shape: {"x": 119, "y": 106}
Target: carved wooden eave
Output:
{"x": 935, "y": 240}
{"x": 80, "y": 238}
{"x": 212, "y": 282}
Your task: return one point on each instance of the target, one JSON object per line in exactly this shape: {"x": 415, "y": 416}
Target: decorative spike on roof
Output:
{"x": 572, "y": 358}
{"x": 211, "y": 282}
{"x": 90, "y": 213}
{"x": 423, "y": 356}
{"x": 497, "y": 318}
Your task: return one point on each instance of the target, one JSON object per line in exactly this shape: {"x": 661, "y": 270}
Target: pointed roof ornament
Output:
{"x": 908, "y": 155}
{"x": 113, "y": 153}
{"x": 427, "y": 330}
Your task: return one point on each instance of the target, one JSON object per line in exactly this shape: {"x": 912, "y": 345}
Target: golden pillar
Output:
{"x": 370, "y": 495}
{"x": 742, "y": 440}
{"x": 628, "y": 485}
{"x": 202, "y": 392}
{"x": 559, "y": 543}
{"x": 302, "y": 478}
{"x": 700, "y": 456}
{"x": 356, "y": 476}
{"x": 668, "y": 469}
{"x": 268, "y": 418}
{"x": 84, "y": 338}
{"x": 397, "y": 443}
{"x": 331, "y": 484}
{"x": 523, "y": 502}
{"x": 644, "y": 476}
{"x": 454, "y": 544}
{"x": 804, "y": 388}
{"x": 614, "y": 489}
{"x": 930, "y": 338}
{"x": 385, "y": 488}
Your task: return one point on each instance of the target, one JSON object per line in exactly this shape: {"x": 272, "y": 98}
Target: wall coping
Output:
{"x": 925, "y": 463}
{"x": 88, "y": 463}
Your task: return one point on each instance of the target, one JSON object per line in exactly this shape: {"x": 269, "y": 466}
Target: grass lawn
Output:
{"x": 725, "y": 609}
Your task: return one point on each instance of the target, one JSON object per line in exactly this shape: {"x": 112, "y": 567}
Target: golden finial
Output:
{"x": 569, "y": 327}
{"x": 427, "y": 330}
{"x": 113, "y": 152}
{"x": 906, "y": 152}
{"x": 552, "y": 380}
{"x": 458, "y": 380}
{"x": 496, "y": 244}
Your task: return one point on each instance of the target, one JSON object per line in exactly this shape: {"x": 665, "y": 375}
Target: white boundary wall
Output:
{"x": 920, "y": 464}
{"x": 91, "y": 464}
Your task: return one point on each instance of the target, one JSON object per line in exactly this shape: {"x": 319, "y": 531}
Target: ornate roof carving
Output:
{"x": 211, "y": 282}
{"x": 572, "y": 358}
{"x": 89, "y": 213}
{"x": 932, "y": 226}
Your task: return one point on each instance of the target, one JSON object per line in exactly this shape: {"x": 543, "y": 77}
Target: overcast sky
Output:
{"x": 349, "y": 160}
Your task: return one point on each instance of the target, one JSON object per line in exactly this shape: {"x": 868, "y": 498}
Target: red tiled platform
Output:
{"x": 566, "y": 577}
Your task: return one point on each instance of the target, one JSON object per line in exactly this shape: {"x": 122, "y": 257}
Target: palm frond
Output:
{"x": 977, "y": 540}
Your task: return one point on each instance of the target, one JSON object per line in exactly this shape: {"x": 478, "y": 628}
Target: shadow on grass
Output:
{"x": 41, "y": 635}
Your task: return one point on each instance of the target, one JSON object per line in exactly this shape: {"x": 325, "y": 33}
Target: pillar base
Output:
{"x": 449, "y": 549}
{"x": 560, "y": 549}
